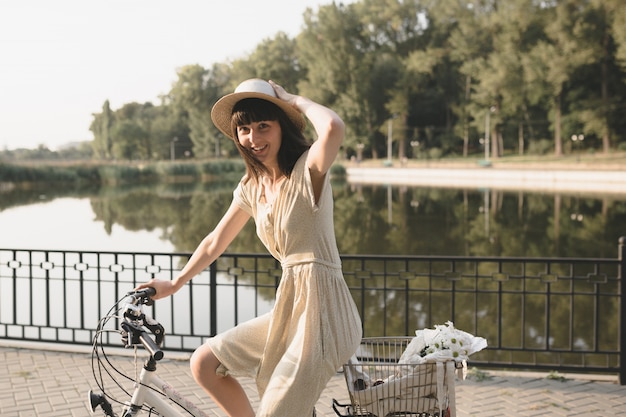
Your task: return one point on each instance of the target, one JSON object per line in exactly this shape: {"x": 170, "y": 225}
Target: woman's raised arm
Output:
{"x": 330, "y": 131}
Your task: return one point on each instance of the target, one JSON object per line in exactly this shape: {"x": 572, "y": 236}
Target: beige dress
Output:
{"x": 314, "y": 327}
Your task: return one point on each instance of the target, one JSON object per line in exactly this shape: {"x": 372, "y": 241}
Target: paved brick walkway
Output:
{"x": 51, "y": 383}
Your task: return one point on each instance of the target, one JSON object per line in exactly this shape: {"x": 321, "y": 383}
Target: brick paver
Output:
{"x": 37, "y": 382}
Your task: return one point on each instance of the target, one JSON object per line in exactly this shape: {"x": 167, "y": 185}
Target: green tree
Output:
{"x": 100, "y": 127}
{"x": 194, "y": 93}
{"x": 345, "y": 71}
{"x": 431, "y": 70}
{"x": 519, "y": 28}
{"x": 601, "y": 97}
{"x": 169, "y": 132}
{"x": 396, "y": 29}
{"x": 129, "y": 141}
{"x": 619, "y": 29}
{"x": 553, "y": 60}
{"x": 490, "y": 74}
{"x": 272, "y": 59}
{"x": 460, "y": 35}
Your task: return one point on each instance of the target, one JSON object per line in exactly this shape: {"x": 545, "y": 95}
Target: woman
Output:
{"x": 314, "y": 327}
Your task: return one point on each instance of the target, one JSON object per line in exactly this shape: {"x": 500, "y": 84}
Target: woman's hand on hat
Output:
{"x": 284, "y": 95}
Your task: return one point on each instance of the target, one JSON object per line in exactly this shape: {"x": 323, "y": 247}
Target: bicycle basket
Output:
{"x": 379, "y": 386}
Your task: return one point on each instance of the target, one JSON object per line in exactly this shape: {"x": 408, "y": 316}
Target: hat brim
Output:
{"x": 222, "y": 110}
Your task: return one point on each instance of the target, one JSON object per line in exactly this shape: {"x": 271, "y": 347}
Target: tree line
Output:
{"x": 426, "y": 78}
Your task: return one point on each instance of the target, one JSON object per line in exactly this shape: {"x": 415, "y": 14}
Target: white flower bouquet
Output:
{"x": 443, "y": 343}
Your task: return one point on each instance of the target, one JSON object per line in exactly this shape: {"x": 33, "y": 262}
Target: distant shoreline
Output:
{"x": 588, "y": 180}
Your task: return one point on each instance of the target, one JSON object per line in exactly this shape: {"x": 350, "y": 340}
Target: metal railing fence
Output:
{"x": 557, "y": 314}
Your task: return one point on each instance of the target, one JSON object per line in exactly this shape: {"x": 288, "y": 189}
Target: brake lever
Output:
{"x": 135, "y": 319}
{"x": 155, "y": 328}
{"x": 134, "y": 323}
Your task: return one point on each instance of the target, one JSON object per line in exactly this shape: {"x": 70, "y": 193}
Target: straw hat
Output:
{"x": 252, "y": 88}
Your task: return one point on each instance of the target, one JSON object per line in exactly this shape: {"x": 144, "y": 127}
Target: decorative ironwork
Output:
{"x": 562, "y": 314}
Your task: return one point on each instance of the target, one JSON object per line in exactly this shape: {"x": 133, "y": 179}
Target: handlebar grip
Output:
{"x": 151, "y": 346}
{"x": 142, "y": 296}
{"x": 146, "y": 292}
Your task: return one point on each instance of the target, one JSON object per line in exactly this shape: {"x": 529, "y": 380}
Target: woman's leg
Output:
{"x": 224, "y": 390}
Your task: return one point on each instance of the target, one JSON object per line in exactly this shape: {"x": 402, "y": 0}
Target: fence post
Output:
{"x": 621, "y": 256}
{"x": 213, "y": 297}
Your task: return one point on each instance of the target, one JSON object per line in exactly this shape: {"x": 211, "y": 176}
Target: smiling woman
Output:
{"x": 263, "y": 139}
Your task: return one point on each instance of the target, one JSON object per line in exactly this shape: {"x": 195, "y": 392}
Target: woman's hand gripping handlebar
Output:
{"x": 135, "y": 322}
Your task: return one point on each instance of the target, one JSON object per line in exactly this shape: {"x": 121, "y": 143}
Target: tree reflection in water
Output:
{"x": 410, "y": 221}
{"x": 377, "y": 219}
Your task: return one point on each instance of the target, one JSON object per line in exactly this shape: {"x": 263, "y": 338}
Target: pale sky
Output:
{"x": 61, "y": 59}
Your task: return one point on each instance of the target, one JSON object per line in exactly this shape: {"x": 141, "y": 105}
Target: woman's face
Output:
{"x": 263, "y": 139}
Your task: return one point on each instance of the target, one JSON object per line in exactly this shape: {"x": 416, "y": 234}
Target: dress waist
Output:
{"x": 307, "y": 258}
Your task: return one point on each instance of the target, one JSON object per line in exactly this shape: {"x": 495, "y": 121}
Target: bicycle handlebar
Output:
{"x": 135, "y": 319}
{"x": 151, "y": 346}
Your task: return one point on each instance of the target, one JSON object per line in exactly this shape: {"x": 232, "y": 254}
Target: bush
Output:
{"x": 541, "y": 147}
{"x": 435, "y": 153}
{"x": 177, "y": 169}
{"x": 337, "y": 171}
{"x": 119, "y": 174}
{"x": 223, "y": 166}
{"x": 48, "y": 173}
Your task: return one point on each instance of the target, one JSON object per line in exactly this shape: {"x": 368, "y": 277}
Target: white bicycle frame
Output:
{"x": 144, "y": 394}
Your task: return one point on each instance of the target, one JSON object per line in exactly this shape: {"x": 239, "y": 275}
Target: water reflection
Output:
{"x": 412, "y": 220}
{"x": 369, "y": 219}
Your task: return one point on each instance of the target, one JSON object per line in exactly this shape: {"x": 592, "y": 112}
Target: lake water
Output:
{"x": 69, "y": 223}
{"x": 369, "y": 219}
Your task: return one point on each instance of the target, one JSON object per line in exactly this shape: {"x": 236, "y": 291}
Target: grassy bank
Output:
{"x": 117, "y": 173}
{"x": 81, "y": 172}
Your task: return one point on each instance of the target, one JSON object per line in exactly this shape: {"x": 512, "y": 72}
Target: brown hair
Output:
{"x": 293, "y": 144}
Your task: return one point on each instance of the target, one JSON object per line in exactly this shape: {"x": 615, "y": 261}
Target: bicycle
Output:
{"x": 150, "y": 393}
